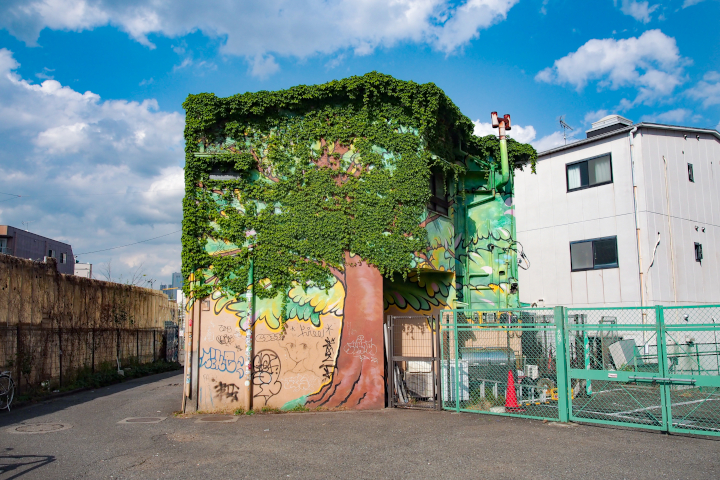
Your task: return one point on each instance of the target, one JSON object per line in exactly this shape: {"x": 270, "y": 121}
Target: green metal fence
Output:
{"x": 649, "y": 367}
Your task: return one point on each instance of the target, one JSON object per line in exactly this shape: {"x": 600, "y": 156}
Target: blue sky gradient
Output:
{"x": 104, "y": 168}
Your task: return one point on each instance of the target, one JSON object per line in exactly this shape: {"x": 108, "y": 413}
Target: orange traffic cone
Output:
{"x": 511, "y": 404}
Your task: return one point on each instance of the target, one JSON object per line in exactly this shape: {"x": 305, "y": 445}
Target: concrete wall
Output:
{"x": 34, "y": 293}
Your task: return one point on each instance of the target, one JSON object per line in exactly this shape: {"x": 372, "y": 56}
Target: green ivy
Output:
{"x": 305, "y": 197}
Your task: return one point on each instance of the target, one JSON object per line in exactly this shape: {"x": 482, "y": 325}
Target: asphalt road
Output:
{"x": 381, "y": 444}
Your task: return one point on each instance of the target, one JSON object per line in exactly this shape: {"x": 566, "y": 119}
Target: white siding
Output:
{"x": 549, "y": 218}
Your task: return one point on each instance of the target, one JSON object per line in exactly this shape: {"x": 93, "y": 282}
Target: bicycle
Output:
{"x": 7, "y": 390}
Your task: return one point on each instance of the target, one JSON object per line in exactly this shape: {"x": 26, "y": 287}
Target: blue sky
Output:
{"x": 91, "y": 90}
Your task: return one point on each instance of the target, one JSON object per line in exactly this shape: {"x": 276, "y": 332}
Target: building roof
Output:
{"x": 624, "y": 130}
{"x": 4, "y": 232}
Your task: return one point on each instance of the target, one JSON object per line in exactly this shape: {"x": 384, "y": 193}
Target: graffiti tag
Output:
{"x": 298, "y": 382}
{"x": 328, "y": 365}
{"x": 266, "y": 374}
{"x": 225, "y": 339}
{"x": 227, "y": 390}
{"x": 214, "y": 359}
{"x": 362, "y": 349}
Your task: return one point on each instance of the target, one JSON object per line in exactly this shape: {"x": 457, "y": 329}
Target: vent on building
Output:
{"x": 691, "y": 175}
{"x": 608, "y": 124}
{"x": 698, "y": 252}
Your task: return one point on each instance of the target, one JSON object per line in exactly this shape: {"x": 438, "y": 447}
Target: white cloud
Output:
{"x": 650, "y": 63}
{"x": 591, "y": 117}
{"x": 707, "y": 90}
{"x": 263, "y": 66}
{"x": 521, "y": 134}
{"x": 640, "y": 11}
{"x": 260, "y": 30}
{"x": 675, "y": 116}
{"x": 690, "y": 3}
{"x": 553, "y": 140}
{"x": 95, "y": 173}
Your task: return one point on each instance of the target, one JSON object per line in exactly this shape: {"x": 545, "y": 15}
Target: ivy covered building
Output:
{"x": 310, "y": 214}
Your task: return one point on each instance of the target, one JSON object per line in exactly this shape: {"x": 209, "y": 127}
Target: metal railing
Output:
{"x": 651, "y": 367}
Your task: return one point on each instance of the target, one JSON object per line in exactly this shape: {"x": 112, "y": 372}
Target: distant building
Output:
{"x": 175, "y": 286}
{"x": 20, "y": 243}
{"x": 83, "y": 270}
{"x": 626, "y": 217}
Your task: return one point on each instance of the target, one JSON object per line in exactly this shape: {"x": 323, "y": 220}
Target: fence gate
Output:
{"x": 413, "y": 352}
{"x": 656, "y": 367}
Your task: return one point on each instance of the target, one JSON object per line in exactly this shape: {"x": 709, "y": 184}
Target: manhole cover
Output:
{"x": 142, "y": 420}
{"x": 40, "y": 428}
{"x": 217, "y": 419}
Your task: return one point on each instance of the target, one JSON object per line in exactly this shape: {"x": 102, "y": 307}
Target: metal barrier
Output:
{"x": 414, "y": 361}
{"x": 649, "y": 367}
{"x": 501, "y": 362}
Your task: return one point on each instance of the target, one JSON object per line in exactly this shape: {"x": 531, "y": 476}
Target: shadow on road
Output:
{"x": 19, "y": 465}
{"x": 54, "y": 405}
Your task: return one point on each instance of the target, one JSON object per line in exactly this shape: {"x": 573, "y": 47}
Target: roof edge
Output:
{"x": 657, "y": 126}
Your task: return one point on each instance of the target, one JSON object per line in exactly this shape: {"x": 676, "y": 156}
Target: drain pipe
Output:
{"x": 249, "y": 336}
{"x": 631, "y": 137}
{"x": 502, "y": 125}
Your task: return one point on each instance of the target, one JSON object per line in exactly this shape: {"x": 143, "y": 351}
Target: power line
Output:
{"x": 123, "y": 246}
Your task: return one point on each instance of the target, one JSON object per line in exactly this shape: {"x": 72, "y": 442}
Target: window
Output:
{"x": 594, "y": 254}
{"x": 589, "y": 173}
{"x": 438, "y": 193}
{"x": 691, "y": 175}
{"x": 63, "y": 258}
{"x": 51, "y": 253}
{"x": 698, "y": 252}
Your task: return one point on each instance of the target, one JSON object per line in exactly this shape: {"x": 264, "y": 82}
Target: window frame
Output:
{"x": 593, "y": 240}
{"x": 63, "y": 257}
{"x": 587, "y": 160}
{"x": 436, "y": 200}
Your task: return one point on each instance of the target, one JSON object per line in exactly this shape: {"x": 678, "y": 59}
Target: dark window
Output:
{"x": 594, "y": 254}
{"x": 691, "y": 175}
{"x": 51, "y": 253}
{"x": 698, "y": 252}
{"x": 589, "y": 173}
{"x": 438, "y": 193}
{"x": 63, "y": 258}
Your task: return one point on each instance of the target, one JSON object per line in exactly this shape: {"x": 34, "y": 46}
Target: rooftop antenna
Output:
{"x": 26, "y": 225}
{"x": 565, "y": 128}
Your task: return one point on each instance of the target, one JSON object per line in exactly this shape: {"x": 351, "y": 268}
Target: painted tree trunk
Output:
{"x": 359, "y": 378}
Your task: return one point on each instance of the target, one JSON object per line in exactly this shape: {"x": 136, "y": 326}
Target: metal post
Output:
{"x": 665, "y": 400}
{"x": 391, "y": 362}
{"x": 93, "y": 350}
{"x": 564, "y": 400}
{"x": 457, "y": 364}
{"x": 249, "y": 336}
{"x": 137, "y": 345}
{"x": 438, "y": 368}
{"x": 154, "y": 332}
{"x": 586, "y": 345}
{"x": 18, "y": 355}
{"x": 60, "y": 354}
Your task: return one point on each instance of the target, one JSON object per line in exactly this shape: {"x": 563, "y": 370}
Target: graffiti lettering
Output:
{"x": 362, "y": 349}
{"x": 225, "y": 328}
{"x": 269, "y": 337}
{"x": 214, "y": 359}
{"x": 266, "y": 374}
{"x": 227, "y": 390}
{"x": 328, "y": 365}
{"x": 308, "y": 331}
{"x": 225, "y": 339}
{"x": 299, "y": 382}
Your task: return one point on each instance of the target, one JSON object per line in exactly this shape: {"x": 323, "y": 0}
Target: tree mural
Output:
{"x": 325, "y": 188}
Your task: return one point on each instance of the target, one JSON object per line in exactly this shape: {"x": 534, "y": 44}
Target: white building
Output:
{"x": 628, "y": 216}
{"x": 83, "y": 270}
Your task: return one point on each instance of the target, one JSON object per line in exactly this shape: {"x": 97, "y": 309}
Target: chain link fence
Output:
{"x": 42, "y": 357}
{"x": 650, "y": 367}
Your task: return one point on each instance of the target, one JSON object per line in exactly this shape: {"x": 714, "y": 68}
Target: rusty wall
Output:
{"x": 34, "y": 293}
